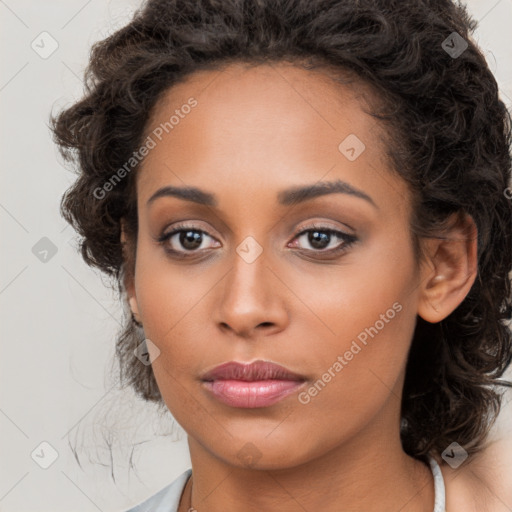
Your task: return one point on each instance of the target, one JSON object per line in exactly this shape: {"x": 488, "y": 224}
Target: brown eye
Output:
{"x": 183, "y": 239}
{"x": 190, "y": 239}
{"x": 325, "y": 240}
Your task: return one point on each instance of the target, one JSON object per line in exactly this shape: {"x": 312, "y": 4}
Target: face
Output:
{"x": 324, "y": 284}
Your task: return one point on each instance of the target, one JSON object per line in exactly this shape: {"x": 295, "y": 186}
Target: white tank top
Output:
{"x": 439, "y": 491}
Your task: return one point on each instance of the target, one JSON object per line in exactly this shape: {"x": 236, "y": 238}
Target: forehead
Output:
{"x": 270, "y": 97}
{"x": 268, "y": 125}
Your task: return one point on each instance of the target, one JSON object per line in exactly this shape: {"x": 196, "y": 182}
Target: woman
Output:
{"x": 305, "y": 205}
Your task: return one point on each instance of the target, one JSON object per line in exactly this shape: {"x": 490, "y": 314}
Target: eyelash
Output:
{"x": 348, "y": 240}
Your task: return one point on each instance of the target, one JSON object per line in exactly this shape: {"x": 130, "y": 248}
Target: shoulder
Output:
{"x": 167, "y": 499}
{"x": 483, "y": 483}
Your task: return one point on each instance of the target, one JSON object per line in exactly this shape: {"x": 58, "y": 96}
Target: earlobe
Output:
{"x": 134, "y": 307}
{"x": 128, "y": 277}
{"x": 451, "y": 272}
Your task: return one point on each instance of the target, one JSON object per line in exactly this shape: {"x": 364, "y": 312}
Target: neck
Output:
{"x": 370, "y": 473}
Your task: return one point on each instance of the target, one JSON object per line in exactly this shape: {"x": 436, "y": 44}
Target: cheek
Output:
{"x": 358, "y": 371}
{"x": 167, "y": 292}
{"x": 368, "y": 316}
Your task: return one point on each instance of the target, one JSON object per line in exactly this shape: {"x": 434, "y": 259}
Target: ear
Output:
{"x": 129, "y": 263}
{"x": 450, "y": 271}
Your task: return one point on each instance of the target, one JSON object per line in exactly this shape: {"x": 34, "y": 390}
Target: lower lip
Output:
{"x": 245, "y": 394}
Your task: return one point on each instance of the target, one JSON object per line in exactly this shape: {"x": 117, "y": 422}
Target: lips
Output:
{"x": 256, "y": 371}
{"x": 258, "y": 384}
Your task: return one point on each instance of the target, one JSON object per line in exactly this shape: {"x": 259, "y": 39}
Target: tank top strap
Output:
{"x": 439, "y": 489}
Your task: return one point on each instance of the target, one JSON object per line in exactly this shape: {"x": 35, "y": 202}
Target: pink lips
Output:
{"x": 258, "y": 384}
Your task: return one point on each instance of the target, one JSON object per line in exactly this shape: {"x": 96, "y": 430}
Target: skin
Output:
{"x": 255, "y": 132}
{"x": 484, "y": 482}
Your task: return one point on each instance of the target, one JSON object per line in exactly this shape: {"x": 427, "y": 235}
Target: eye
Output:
{"x": 183, "y": 239}
{"x": 325, "y": 240}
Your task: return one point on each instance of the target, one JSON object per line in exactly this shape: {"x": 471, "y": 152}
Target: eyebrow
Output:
{"x": 286, "y": 197}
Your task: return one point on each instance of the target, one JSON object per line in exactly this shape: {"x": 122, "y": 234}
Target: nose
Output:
{"x": 251, "y": 300}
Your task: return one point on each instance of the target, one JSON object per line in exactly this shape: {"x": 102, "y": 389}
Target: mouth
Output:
{"x": 259, "y": 384}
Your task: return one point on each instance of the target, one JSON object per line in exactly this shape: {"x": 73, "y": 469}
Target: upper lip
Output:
{"x": 257, "y": 370}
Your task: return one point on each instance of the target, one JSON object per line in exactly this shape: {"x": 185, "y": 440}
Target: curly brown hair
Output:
{"x": 449, "y": 139}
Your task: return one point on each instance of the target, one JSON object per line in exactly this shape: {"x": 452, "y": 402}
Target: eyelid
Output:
{"x": 177, "y": 228}
{"x": 319, "y": 225}
{"x": 183, "y": 225}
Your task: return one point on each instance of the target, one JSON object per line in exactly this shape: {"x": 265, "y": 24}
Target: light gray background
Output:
{"x": 58, "y": 318}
